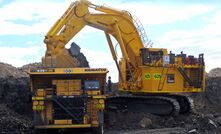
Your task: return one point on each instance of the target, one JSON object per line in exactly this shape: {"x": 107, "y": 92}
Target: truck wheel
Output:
{"x": 98, "y": 130}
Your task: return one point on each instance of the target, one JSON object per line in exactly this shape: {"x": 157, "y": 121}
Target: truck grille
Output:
{"x": 72, "y": 107}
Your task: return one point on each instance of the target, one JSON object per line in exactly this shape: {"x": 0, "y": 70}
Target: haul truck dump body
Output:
{"x": 68, "y": 97}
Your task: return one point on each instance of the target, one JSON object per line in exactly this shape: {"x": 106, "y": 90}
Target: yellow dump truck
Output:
{"x": 68, "y": 97}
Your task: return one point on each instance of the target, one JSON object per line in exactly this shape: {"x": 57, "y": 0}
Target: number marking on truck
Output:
{"x": 68, "y": 70}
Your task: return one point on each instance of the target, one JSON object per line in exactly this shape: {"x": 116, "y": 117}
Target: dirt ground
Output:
{"x": 182, "y": 124}
{"x": 176, "y": 130}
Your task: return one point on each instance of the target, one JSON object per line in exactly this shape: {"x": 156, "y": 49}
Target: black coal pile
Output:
{"x": 210, "y": 100}
{"x": 130, "y": 121}
{"x": 13, "y": 123}
{"x": 213, "y": 93}
{"x": 15, "y": 100}
{"x": 213, "y": 90}
{"x": 14, "y": 90}
{"x": 15, "y": 94}
{"x": 74, "y": 50}
{"x": 216, "y": 72}
{"x": 7, "y": 70}
{"x": 26, "y": 67}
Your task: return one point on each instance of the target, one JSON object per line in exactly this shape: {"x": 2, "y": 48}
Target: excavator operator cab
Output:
{"x": 151, "y": 55}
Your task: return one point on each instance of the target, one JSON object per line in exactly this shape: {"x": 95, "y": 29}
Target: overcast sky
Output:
{"x": 190, "y": 26}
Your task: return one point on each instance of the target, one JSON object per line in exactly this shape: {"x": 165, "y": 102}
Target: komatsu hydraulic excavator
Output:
{"x": 150, "y": 79}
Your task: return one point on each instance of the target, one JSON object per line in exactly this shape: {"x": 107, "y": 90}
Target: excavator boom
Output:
{"x": 113, "y": 22}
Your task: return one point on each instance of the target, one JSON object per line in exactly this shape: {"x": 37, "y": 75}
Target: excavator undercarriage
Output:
{"x": 154, "y": 104}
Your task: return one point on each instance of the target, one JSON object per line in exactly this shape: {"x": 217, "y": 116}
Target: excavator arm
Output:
{"x": 113, "y": 22}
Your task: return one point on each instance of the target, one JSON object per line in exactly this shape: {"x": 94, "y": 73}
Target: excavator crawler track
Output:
{"x": 185, "y": 102}
{"x": 159, "y": 105}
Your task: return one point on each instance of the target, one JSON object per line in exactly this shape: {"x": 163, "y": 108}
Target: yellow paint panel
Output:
{"x": 70, "y": 71}
{"x": 40, "y": 92}
{"x": 99, "y": 97}
{"x": 41, "y": 102}
{"x": 65, "y": 126}
{"x": 38, "y": 98}
{"x": 75, "y": 93}
{"x": 62, "y": 122}
{"x": 35, "y": 103}
{"x": 62, "y": 93}
{"x": 100, "y": 106}
{"x": 159, "y": 82}
{"x": 96, "y": 92}
{"x": 38, "y": 108}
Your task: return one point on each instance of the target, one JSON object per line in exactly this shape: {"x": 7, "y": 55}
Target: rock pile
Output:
{"x": 14, "y": 89}
{"x": 13, "y": 123}
{"x": 216, "y": 72}
{"x": 74, "y": 50}
{"x": 210, "y": 100}
{"x": 7, "y": 70}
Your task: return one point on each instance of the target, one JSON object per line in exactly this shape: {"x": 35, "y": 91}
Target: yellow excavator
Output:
{"x": 150, "y": 79}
